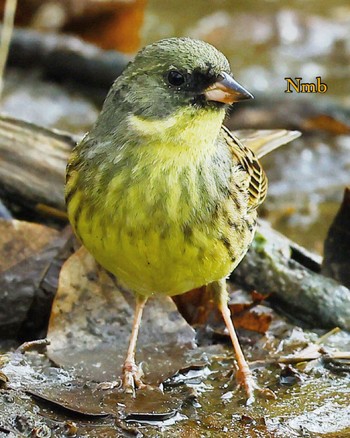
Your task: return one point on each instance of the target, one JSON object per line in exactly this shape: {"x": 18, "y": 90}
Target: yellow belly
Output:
{"x": 168, "y": 247}
{"x": 151, "y": 259}
{"x": 153, "y": 264}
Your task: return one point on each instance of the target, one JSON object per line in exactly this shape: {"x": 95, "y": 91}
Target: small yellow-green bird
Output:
{"x": 159, "y": 191}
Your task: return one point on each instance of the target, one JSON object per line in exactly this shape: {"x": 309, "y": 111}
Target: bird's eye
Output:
{"x": 176, "y": 78}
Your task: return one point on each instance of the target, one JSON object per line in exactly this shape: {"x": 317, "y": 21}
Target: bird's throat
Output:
{"x": 188, "y": 131}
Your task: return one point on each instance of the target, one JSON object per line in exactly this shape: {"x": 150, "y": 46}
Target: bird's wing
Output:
{"x": 247, "y": 159}
{"x": 264, "y": 141}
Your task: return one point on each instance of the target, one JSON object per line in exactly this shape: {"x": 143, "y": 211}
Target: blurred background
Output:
{"x": 265, "y": 42}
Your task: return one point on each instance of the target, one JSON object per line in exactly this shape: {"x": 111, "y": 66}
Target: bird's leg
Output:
{"x": 131, "y": 373}
{"x": 243, "y": 375}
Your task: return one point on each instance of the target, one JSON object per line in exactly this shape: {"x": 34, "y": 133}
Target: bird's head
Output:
{"x": 175, "y": 73}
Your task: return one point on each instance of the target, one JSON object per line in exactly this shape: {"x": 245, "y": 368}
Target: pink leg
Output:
{"x": 131, "y": 373}
{"x": 243, "y": 374}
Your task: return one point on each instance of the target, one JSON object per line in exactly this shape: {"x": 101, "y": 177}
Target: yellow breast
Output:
{"x": 163, "y": 224}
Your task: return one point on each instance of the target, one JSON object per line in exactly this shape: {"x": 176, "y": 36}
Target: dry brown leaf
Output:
{"x": 198, "y": 308}
{"x": 20, "y": 240}
{"x": 258, "y": 297}
{"x": 257, "y": 319}
{"x": 195, "y": 305}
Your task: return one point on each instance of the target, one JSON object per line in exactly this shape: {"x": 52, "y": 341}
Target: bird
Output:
{"x": 160, "y": 192}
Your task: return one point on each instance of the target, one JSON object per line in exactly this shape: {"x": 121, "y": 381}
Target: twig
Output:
{"x": 52, "y": 212}
{"x": 6, "y": 34}
{"x": 37, "y": 345}
{"x": 323, "y": 338}
{"x": 301, "y": 357}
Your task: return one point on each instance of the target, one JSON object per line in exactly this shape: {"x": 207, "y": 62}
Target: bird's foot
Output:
{"x": 131, "y": 379}
{"x": 246, "y": 380}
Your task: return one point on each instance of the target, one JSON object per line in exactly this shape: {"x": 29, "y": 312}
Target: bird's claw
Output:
{"x": 131, "y": 379}
{"x": 246, "y": 380}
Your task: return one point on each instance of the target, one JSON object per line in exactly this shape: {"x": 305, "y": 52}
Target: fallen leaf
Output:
{"x": 247, "y": 313}
{"x": 195, "y": 305}
{"x": 77, "y": 398}
{"x": 258, "y": 297}
{"x": 257, "y": 319}
{"x": 20, "y": 240}
{"x": 29, "y": 280}
{"x": 60, "y": 391}
{"x": 198, "y": 308}
{"x": 90, "y": 326}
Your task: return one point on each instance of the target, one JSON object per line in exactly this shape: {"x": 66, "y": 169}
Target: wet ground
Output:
{"x": 73, "y": 383}
{"x": 312, "y": 399}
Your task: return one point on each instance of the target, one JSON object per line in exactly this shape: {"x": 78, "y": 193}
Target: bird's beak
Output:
{"x": 227, "y": 90}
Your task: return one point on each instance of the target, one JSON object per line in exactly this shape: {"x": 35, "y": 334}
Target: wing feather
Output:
{"x": 248, "y": 160}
